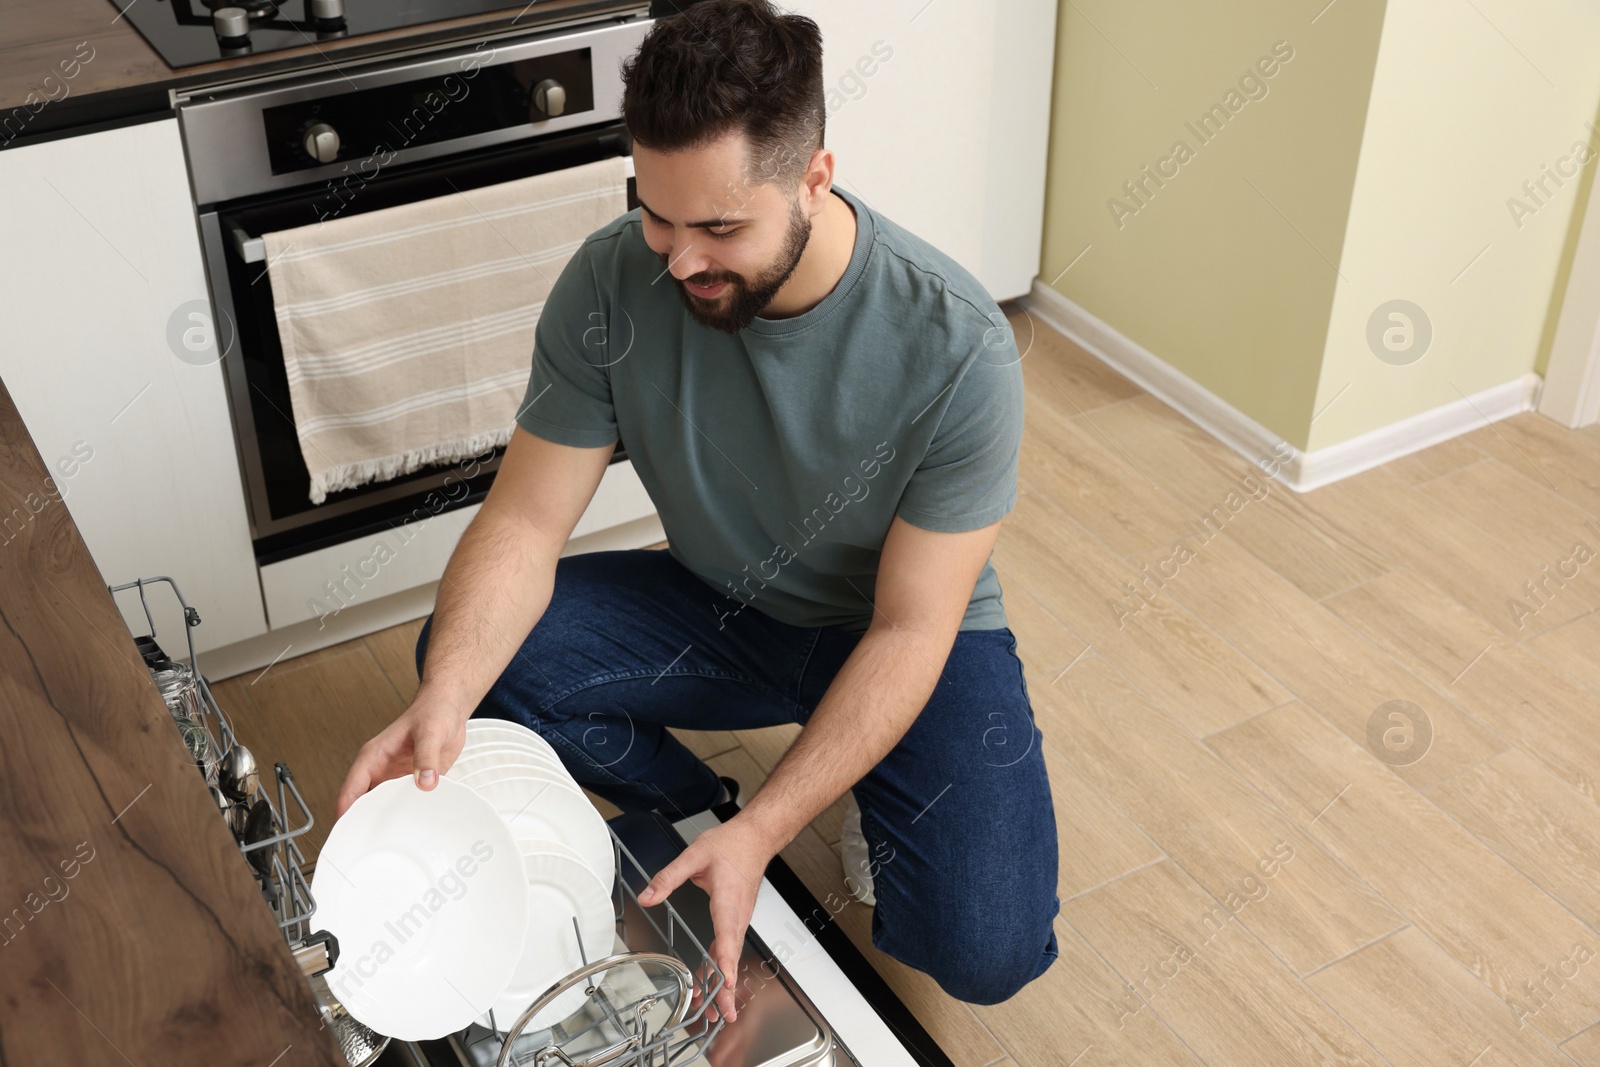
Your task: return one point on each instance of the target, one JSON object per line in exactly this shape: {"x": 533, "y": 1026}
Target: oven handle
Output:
{"x": 254, "y": 249}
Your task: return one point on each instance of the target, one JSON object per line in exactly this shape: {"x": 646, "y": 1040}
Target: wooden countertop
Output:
{"x": 131, "y": 928}
{"x": 125, "y": 77}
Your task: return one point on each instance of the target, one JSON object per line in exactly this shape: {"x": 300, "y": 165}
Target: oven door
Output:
{"x": 283, "y": 521}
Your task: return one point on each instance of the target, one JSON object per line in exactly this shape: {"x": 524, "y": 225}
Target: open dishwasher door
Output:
{"x": 808, "y": 997}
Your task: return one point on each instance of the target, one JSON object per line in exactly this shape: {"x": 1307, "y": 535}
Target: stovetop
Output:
{"x": 186, "y": 32}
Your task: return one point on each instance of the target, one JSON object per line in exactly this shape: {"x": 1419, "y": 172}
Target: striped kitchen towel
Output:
{"x": 408, "y": 331}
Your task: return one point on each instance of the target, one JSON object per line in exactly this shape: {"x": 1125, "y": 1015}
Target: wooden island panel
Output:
{"x": 131, "y": 928}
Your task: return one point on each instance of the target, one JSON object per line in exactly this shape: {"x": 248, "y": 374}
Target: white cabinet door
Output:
{"x": 939, "y": 114}
{"x": 98, "y": 251}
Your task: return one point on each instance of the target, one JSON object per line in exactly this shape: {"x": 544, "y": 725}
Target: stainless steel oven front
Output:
{"x": 272, "y": 155}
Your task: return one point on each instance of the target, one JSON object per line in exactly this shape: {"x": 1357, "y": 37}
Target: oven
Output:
{"x": 281, "y": 153}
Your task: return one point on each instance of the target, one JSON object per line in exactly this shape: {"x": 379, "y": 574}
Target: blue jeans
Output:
{"x": 958, "y": 816}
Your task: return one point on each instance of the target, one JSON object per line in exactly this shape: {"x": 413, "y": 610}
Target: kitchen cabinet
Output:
{"x": 102, "y": 255}
{"x": 939, "y": 112}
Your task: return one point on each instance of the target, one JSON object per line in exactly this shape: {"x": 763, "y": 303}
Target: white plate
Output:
{"x": 427, "y": 894}
{"x": 497, "y": 742}
{"x": 506, "y": 754}
{"x": 494, "y": 770}
{"x": 480, "y": 730}
{"x": 560, "y": 887}
{"x": 539, "y": 810}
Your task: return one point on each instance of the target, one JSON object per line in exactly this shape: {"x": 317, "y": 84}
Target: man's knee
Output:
{"x": 981, "y": 945}
{"x": 990, "y": 962}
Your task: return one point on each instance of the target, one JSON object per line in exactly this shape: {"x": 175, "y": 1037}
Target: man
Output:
{"x": 826, "y": 412}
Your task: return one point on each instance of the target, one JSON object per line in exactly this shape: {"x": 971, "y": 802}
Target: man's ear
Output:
{"x": 817, "y": 182}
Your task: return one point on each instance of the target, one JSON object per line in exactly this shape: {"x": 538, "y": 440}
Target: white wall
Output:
{"x": 947, "y": 136}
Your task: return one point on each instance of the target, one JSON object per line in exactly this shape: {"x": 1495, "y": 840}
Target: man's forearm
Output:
{"x": 871, "y": 703}
{"x": 496, "y": 586}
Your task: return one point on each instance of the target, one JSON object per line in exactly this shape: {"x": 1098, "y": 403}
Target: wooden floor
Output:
{"x": 1325, "y": 793}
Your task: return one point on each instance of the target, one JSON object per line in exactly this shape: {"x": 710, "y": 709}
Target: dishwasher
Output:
{"x": 782, "y": 1018}
{"x": 808, "y": 998}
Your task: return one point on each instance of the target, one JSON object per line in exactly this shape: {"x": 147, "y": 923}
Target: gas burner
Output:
{"x": 189, "y": 32}
{"x": 232, "y": 26}
{"x": 328, "y": 15}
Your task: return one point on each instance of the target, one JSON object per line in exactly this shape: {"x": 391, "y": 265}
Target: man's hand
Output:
{"x": 727, "y": 861}
{"x": 425, "y": 741}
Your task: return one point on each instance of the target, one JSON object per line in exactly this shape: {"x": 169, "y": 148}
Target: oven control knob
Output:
{"x": 231, "y": 23}
{"x": 550, "y": 98}
{"x": 322, "y": 143}
{"x": 327, "y": 10}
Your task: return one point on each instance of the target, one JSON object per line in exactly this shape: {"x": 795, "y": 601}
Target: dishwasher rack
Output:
{"x": 660, "y": 1024}
{"x": 607, "y": 1034}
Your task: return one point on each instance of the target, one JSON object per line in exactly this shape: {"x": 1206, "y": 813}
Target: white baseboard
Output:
{"x": 360, "y": 619}
{"x": 1423, "y": 430}
{"x": 1302, "y": 471}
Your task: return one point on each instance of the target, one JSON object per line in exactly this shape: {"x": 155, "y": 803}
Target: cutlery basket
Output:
{"x": 275, "y": 858}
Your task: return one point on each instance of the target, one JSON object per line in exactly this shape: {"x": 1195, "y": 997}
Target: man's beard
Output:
{"x": 742, "y": 301}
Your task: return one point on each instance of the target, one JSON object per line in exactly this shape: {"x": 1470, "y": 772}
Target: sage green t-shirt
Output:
{"x": 777, "y": 457}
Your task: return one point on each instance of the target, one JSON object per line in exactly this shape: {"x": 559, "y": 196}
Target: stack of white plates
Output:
{"x": 568, "y": 858}
{"x": 469, "y": 897}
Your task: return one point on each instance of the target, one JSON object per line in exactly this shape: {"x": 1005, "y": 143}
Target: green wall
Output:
{"x": 1377, "y": 159}
{"x": 1227, "y": 270}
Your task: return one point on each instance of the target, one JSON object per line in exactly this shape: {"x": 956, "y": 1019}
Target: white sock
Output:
{"x": 854, "y": 854}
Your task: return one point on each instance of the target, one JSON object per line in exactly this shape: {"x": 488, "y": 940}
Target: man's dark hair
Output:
{"x": 730, "y": 65}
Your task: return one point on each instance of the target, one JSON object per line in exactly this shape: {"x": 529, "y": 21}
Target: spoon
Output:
{"x": 224, "y": 805}
{"x": 239, "y": 776}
